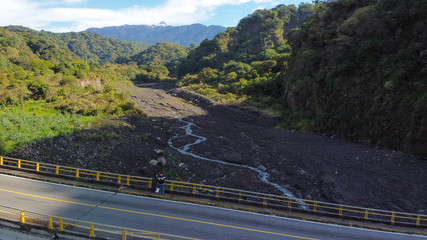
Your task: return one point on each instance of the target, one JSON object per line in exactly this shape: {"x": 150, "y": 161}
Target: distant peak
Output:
{"x": 162, "y": 24}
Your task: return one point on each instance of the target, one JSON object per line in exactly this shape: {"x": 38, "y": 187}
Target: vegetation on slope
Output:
{"x": 246, "y": 62}
{"x": 89, "y": 47}
{"x": 158, "y": 59}
{"x": 46, "y": 85}
{"x": 355, "y": 68}
{"x": 358, "y": 69}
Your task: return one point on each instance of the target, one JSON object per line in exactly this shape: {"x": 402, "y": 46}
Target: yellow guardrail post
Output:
{"x": 124, "y": 234}
{"x": 290, "y": 203}
{"x": 22, "y": 216}
{"x": 119, "y": 179}
{"x": 128, "y": 180}
{"x": 92, "y": 230}
{"x": 1, "y": 161}
{"x": 38, "y": 167}
{"x": 217, "y": 193}
{"x": 315, "y": 207}
{"x": 171, "y": 188}
{"x": 61, "y": 224}
{"x": 366, "y": 214}
{"x": 392, "y": 218}
{"x": 418, "y": 220}
{"x": 240, "y": 196}
{"x": 77, "y": 173}
{"x": 340, "y": 211}
{"x": 97, "y": 176}
{"x": 50, "y": 223}
{"x": 57, "y": 170}
{"x": 194, "y": 188}
{"x": 19, "y": 163}
{"x": 264, "y": 201}
{"x": 149, "y": 183}
{"x": 158, "y": 236}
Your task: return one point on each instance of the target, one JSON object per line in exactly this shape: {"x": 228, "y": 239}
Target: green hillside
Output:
{"x": 358, "y": 69}
{"x": 46, "y": 90}
{"x": 354, "y": 68}
{"x": 168, "y": 55}
{"x": 89, "y": 46}
{"x": 246, "y": 63}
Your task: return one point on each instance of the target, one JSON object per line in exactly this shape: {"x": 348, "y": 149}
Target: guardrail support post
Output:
{"x": 124, "y": 234}
{"x": 61, "y": 224}
{"x": 290, "y": 204}
{"x": 315, "y": 207}
{"x": 38, "y": 167}
{"x": 77, "y": 173}
{"x": 128, "y": 180}
{"x": 97, "y": 176}
{"x": 57, "y": 170}
{"x": 22, "y": 216}
{"x": 264, "y": 202}
{"x": 92, "y": 230}
{"x": 194, "y": 188}
{"x": 366, "y": 214}
{"x": 50, "y": 223}
{"x": 119, "y": 179}
{"x": 158, "y": 236}
{"x": 240, "y": 196}
{"x": 171, "y": 188}
{"x": 149, "y": 183}
{"x": 1, "y": 161}
{"x": 217, "y": 193}
{"x": 19, "y": 163}
{"x": 418, "y": 220}
{"x": 340, "y": 211}
{"x": 392, "y": 217}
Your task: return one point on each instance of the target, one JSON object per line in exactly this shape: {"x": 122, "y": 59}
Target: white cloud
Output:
{"x": 175, "y": 12}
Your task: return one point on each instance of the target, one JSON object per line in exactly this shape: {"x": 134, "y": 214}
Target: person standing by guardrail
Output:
{"x": 161, "y": 181}
{"x": 154, "y": 182}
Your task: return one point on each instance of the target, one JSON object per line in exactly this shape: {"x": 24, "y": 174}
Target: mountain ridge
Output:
{"x": 184, "y": 35}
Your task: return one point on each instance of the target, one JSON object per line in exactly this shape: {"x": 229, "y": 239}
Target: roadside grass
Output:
{"x": 36, "y": 120}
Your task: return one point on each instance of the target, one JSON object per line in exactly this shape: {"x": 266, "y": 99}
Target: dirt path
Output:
{"x": 308, "y": 165}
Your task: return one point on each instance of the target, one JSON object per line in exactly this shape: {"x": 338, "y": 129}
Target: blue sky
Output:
{"x": 78, "y": 15}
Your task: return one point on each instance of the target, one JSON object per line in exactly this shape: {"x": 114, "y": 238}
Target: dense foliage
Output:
{"x": 162, "y": 54}
{"x": 181, "y": 35}
{"x": 88, "y": 46}
{"x": 36, "y": 71}
{"x": 245, "y": 63}
{"x": 355, "y": 68}
{"x": 358, "y": 69}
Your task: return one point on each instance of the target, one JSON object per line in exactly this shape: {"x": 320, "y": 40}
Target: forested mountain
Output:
{"x": 47, "y": 90}
{"x": 246, "y": 63}
{"x": 164, "y": 54}
{"x": 88, "y": 46}
{"x": 359, "y": 69}
{"x": 355, "y": 68}
{"x": 181, "y": 35}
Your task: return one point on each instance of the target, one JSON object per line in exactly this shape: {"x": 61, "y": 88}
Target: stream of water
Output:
{"x": 263, "y": 176}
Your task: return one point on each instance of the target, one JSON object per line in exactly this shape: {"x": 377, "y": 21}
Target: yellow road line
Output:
{"x": 157, "y": 215}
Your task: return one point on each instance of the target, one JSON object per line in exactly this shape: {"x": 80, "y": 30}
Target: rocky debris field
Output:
{"x": 226, "y": 146}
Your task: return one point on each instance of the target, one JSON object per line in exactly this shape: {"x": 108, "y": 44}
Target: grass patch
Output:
{"x": 36, "y": 120}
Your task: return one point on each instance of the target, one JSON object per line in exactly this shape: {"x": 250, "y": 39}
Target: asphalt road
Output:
{"x": 184, "y": 219}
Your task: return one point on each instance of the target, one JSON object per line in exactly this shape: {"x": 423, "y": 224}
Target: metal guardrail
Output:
{"x": 267, "y": 200}
{"x": 90, "y": 229}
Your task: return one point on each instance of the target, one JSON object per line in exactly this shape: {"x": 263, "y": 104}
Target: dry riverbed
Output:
{"x": 231, "y": 147}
